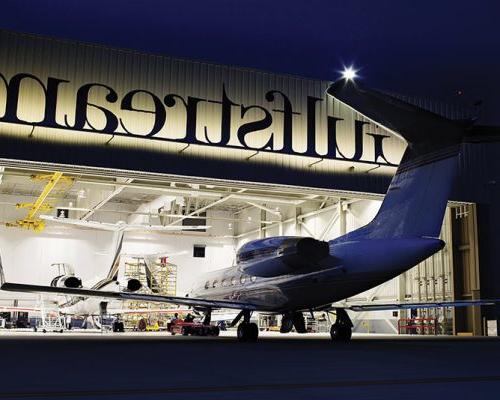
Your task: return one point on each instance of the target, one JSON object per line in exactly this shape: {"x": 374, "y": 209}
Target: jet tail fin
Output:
{"x": 115, "y": 264}
{"x": 416, "y": 200}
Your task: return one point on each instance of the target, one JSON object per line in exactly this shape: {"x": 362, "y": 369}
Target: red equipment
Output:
{"x": 192, "y": 328}
{"x": 418, "y": 326}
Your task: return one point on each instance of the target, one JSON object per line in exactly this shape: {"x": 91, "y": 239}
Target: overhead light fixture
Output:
{"x": 349, "y": 73}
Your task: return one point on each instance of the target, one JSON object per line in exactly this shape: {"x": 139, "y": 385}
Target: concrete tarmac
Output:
{"x": 160, "y": 366}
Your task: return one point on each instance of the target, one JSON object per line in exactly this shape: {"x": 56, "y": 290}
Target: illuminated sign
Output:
{"x": 99, "y": 108}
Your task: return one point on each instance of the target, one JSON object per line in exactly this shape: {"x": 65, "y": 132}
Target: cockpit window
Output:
{"x": 216, "y": 282}
{"x": 207, "y": 284}
{"x": 224, "y": 282}
{"x": 243, "y": 279}
{"x": 253, "y": 278}
{"x": 233, "y": 280}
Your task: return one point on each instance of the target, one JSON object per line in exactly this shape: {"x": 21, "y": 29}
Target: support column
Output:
{"x": 342, "y": 218}
{"x": 298, "y": 226}
{"x": 262, "y": 231}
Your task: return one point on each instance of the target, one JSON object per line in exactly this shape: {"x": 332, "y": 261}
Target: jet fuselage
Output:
{"x": 349, "y": 268}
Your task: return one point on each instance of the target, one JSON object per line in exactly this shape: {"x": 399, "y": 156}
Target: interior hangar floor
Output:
{"x": 111, "y": 366}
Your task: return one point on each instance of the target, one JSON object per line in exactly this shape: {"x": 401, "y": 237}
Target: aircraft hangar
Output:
{"x": 115, "y": 137}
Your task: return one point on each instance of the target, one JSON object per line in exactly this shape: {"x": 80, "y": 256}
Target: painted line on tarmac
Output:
{"x": 248, "y": 388}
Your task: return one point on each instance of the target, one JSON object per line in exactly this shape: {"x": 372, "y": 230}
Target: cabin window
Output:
{"x": 243, "y": 279}
{"x": 253, "y": 278}
{"x": 207, "y": 284}
{"x": 233, "y": 280}
{"x": 224, "y": 282}
{"x": 215, "y": 283}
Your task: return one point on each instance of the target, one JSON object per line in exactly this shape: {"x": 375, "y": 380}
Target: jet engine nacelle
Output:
{"x": 133, "y": 285}
{"x": 282, "y": 255}
{"x": 68, "y": 281}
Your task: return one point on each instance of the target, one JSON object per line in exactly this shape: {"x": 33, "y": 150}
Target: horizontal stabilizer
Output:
{"x": 483, "y": 134}
{"x": 414, "y": 124}
{"x": 421, "y": 305}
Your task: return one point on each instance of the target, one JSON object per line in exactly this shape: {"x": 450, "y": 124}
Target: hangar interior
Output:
{"x": 235, "y": 213}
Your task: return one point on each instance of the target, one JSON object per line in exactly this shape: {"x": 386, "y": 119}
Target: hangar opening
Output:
{"x": 234, "y": 214}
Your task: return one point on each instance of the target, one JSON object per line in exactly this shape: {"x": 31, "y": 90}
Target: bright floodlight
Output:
{"x": 349, "y": 74}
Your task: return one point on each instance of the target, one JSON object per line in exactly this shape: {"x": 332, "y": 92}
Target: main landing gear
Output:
{"x": 341, "y": 330}
{"x": 247, "y": 331}
{"x": 291, "y": 320}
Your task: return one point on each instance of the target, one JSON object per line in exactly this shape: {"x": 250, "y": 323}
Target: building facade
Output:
{"x": 83, "y": 108}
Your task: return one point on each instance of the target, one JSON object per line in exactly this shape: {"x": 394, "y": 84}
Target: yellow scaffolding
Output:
{"x": 163, "y": 281}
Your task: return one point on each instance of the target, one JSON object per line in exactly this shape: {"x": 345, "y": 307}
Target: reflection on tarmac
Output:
{"x": 156, "y": 366}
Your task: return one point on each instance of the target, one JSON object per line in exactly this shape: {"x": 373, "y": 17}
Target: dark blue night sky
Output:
{"x": 426, "y": 48}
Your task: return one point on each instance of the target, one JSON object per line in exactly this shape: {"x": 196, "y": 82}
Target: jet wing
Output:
{"x": 156, "y": 255}
{"x": 106, "y": 226}
{"x": 407, "y": 306}
{"x": 87, "y": 224}
{"x": 19, "y": 309}
{"x": 187, "y": 301}
{"x": 167, "y": 228}
{"x": 113, "y": 311}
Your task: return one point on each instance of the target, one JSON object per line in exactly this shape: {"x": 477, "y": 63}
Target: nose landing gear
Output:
{"x": 341, "y": 330}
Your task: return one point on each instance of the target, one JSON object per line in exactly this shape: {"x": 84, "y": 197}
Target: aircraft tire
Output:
{"x": 241, "y": 332}
{"x": 347, "y": 333}
{"x": 254, "y": 332}
{"x": 118, "y": 327}
{"x": 286, "y": 323}
{"x": 247, "y": 332}
{"x": 340, "y": 333}
{"x": 299, "y": 322}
